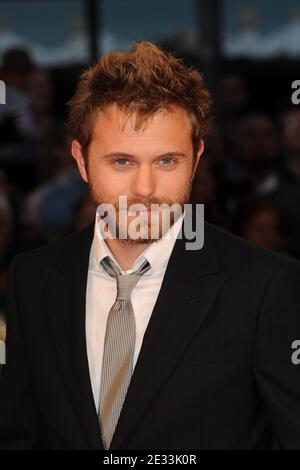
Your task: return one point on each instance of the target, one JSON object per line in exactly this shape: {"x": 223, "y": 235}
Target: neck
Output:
{"x": 125, "y": 253}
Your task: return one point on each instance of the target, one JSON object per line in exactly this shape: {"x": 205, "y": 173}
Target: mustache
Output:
{"x": 147, "y": 203}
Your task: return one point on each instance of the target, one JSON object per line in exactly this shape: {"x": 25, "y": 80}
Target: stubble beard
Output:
{"x": 162, "y": 222}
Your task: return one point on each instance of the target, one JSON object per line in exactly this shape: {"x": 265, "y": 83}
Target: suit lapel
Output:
{"x": 66, "y": 296}
{"x": 191, "y": 283}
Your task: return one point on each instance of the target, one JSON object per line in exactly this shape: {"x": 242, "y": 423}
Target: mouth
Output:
{"x": 139, "y": 212}
{"x": 148, "y": 211}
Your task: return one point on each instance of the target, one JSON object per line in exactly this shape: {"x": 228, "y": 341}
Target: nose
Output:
{"x": 143, "y": 184}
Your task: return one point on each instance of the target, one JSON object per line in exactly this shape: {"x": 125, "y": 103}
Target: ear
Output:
{"x": 77, "y": 154}
{"x": 198, "y": 155}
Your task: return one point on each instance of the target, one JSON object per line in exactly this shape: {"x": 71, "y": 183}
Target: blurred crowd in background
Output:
{"x": 248, "y": 178}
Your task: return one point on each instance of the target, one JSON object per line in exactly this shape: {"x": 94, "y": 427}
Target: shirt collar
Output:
{"x": 156, "y": 253}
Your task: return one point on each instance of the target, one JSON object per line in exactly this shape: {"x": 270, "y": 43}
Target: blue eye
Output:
{"x": 169, "y": 160}
{"x": 121, "y": 160}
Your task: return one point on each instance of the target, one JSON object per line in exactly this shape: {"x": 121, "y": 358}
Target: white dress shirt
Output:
{"x": 101, "y": 294}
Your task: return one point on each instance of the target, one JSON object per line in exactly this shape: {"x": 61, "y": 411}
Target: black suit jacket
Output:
{"x": 215, "y": 370}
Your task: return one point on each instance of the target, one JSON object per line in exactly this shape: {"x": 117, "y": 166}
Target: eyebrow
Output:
{"x": 128, "y": 155}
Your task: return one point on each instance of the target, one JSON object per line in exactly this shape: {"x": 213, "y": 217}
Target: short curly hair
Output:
{"x": 142, "y": 81}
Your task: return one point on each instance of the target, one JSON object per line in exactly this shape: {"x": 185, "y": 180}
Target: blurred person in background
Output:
{"x": 231, "y": 99}
{"x": 231, "y": 102}
{"x": 261, "y": 221}
{"x": 290, "y": 122}
{"x": 16, "y": 119}
{"x": 16, "y": 66}
{"x": 256, "y": 153}
{"x": 43, "y": 213}
{"x": 40, "y": 95}
{"x": 258, "y": 156}
{"x": 204, "y": 191}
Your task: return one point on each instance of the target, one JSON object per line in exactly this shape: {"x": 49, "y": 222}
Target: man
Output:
{"x": 137, "y": 343}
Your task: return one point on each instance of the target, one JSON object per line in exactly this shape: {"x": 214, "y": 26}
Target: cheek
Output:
{"x": 175, "y": 181}
{"x": 109, "y": 184}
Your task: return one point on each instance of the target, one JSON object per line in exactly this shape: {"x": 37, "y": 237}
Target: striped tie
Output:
{"x": 118, "y": 352}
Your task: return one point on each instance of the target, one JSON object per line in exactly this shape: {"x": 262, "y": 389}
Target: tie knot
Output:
{"x": 125, "y": 282}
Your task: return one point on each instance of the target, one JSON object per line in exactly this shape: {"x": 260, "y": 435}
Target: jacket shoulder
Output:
{"x": 65, "y": 247}
{"x": 235, "y": 252}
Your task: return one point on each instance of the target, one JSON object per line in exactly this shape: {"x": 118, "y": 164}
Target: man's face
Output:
{"x": 151, "y": 166}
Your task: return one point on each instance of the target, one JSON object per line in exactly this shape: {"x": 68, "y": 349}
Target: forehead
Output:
{"x": 173, "y": 123}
